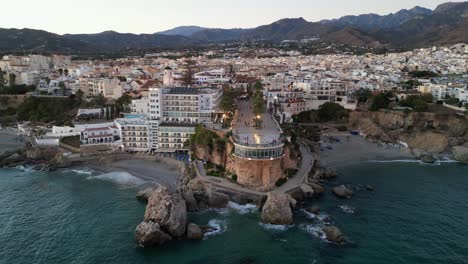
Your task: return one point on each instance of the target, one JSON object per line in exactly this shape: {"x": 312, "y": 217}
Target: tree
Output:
{"x": 362, "y": 95}
{"x": 66, "y": 72}
{"x": 187, "y": 77}
{"x": 2, "y": 77}
{"x": 12, "y": 78}
{"x": 60, "y": 71}
{"x": 379, "y": 101}
{"x": 79, "y": 95}
{"x": 428, "y": 98}
{"x": 331, "y": 112}
{"x": 102, "y": 113}
{"x": 107, "y": 113}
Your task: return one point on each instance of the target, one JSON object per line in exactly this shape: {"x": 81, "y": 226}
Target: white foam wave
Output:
{"x": 218, "y": 226}
{"x": 309, "y": 214}
{"x": 278, "y": 228}
{"x": 315, "y": 230}
{"x": 24, "y": 168}
{"x": 435, "y": 163}
{"x": 84, "y": 171}
{"x": 242, "y": 209}
{"x": 122, "y": 178}
{"x": 324, "y": 218}
{"x": 347, "y": 209}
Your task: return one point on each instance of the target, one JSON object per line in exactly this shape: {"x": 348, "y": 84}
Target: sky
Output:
{"x": 149, "y": 16}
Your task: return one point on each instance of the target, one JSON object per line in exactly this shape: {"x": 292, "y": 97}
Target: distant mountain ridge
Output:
{"x": 417, "y": 27}
{"x": 374, "y": 21}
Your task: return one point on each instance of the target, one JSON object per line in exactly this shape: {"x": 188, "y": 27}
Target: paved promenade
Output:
{"x": 244, "y": 126}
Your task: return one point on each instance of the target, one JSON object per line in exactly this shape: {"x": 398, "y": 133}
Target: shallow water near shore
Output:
{"x": 416, "y": 214}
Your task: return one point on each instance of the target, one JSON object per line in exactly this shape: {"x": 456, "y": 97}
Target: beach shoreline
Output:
{"x": 352, "y": 149}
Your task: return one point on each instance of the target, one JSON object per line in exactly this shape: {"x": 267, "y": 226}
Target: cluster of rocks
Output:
{"x": 45, "y": 158}
{"x": 166, "y": 213}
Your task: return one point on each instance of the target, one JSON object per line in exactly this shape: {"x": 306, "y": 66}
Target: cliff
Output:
{"x": 261, "y": 174}
{"x": 429, "y": 132}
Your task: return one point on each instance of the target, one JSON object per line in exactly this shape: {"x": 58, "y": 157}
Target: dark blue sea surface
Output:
{"x": 417, "y": 214}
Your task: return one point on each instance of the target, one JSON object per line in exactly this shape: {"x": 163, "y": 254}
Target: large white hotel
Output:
{"x": 165, "y": 119}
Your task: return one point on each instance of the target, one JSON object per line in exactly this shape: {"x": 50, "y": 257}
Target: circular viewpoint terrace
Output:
{"x": 265, "y": 151}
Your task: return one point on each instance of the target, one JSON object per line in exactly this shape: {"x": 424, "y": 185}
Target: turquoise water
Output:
{"x": 417, "y": 214}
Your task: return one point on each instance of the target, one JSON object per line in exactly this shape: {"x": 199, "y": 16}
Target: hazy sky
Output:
{"x": 149, "y": 16}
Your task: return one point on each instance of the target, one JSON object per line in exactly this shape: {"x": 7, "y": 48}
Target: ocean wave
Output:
{"x": 347, "y": 209}
{"x": 309, "y": 214}
{"x": 315, "y": 230}
{"x": 122, "y": 178}
{"x": 242, "y": 209}
{"x": 278, "y": 228}
{"x": 24, "y": 169}
{"x": 218, "y": 226}
{"x": 79, "y": 171}
{"x": 435, "y": 163}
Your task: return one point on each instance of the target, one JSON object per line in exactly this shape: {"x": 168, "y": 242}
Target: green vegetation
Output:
{"x": 204, "y": 137}
{"x": 47, "y": 109}
{"x": 280, "y": 182}
{"x": 423, "y": 74}
{"x": 326, "y": 113}
{"x": 411, "y": 84}
{"x": 291, "y": 172}
{"x": 362, "y": 95}
{"x": 17, "y": 89}
{"x": 452, "y": 101}
{"x": 258, "y": 102}
{"x": 417, "y": 103}
{"x": 380, "y": 101}
{"x": 214, "y": 170}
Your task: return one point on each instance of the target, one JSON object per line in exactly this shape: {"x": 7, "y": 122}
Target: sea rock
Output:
{"x": 313, "y": 209}
{"x": 460, "y": 153}
{"x": 277, "y": 209}
{"x": 168, "y": 210}
{"x": 333, "y": 234}
{"x": 302, "y": 192}
{"x": 455, "y": 141}
{"x": 190, "y": 202}
{"x": 370, "y": 187}
{"x": 194, "y": 232}
{"x": 328, "y": 174}
{"x": 145, "y": 194}
{"x": 148, "y": 234}
{"x": 427, "y": 158}
{"x": 418, "y": 153}
{"x": 342, "y": 191}
{"x": 217, "y": 199}
{"x": 318, "y": 189}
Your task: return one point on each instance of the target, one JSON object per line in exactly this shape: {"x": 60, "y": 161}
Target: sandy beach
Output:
{"x": 352, "y": 149}
{"x": 150, "y": 172}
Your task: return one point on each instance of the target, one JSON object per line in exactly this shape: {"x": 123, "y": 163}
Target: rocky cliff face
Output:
{"x": 253, "y": 173}
{"x": 430, "y": 132}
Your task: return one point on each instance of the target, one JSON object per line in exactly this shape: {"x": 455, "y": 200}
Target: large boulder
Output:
{"x": 149, "y": 234}
{"x": 217, "y": 199}
{"x": 168, "y": 210}
{"x": 333, "y": 234}
{"x": 460, "y": 153}
{"x": 277, "y": 209}
{"x": 205, "y": 195}
{"x": 318, "y": 189}
{"x": 194, "y": 232}
{"x": 342, "y": 191}
{"x": 302, "y": 192}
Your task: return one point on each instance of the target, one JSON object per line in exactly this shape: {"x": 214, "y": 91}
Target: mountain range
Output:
{"x": 413, "y": 28}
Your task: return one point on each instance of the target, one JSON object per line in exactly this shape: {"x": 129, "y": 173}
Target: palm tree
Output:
{"x": 66, "y": 72}
{"x": 60, "y": 71}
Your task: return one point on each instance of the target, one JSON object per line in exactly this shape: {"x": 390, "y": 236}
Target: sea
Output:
{"x": 417, "y": 214}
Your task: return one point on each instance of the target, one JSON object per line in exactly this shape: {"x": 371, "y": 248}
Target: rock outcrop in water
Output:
{"x": 277, "y": 209}
{"x": 165, "y": 217}
{"x": 333, "y": 234}
{"x": 342, "y": 191}
{"x": 460, "y": 153}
